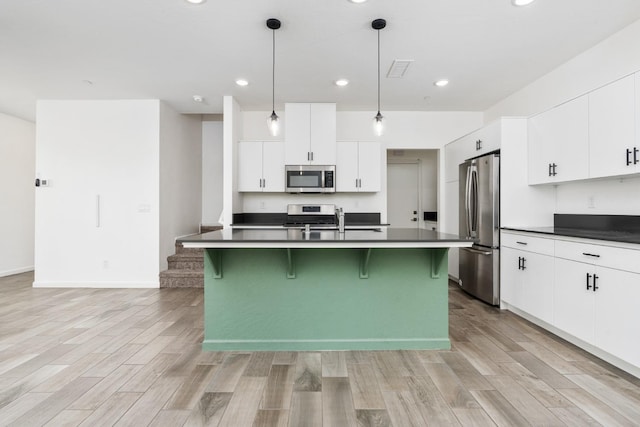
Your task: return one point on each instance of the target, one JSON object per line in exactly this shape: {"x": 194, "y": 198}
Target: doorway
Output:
{"x": 403, "y": 194}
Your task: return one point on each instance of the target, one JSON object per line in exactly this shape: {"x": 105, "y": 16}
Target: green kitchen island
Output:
{"x": 287, "y": 289}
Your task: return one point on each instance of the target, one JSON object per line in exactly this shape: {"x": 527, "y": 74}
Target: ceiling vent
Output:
{"x": 399, "y": 68}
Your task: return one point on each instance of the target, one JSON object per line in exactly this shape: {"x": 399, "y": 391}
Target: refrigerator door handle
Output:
{"x": 476, "y": 251}
{"x": 474, "y": 202}
{"x": 467, "y": 202}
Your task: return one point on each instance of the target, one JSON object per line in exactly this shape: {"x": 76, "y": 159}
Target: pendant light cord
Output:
{"x": 273, "y": 73}
{"x": 378, "y": 71}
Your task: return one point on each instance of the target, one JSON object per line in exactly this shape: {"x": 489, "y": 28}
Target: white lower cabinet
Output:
{"x": 587, "y": 291}
{"x": 527, "y": 277}
{"x": 617, "y": 322}
{"x": 599, "y": 306}
{"x": 532, "y": 280}
{"x": 574, "y": 303}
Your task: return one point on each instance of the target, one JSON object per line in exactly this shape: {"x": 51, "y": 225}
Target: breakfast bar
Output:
{"x": 291, "y": 289}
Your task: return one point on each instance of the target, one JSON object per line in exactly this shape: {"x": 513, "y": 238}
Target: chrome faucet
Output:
{"x": 340, "y": 219}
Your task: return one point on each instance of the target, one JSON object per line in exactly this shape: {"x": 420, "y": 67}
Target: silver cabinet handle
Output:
{"x": 522, "y": 243}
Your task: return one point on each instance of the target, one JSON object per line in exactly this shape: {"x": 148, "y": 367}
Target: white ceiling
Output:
{"x": 171, "y": 50}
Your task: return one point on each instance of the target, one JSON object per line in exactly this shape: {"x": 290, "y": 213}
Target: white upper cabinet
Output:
{"x": 260, "y": 166}
{"x": 612, "y": 129}
{"x": 358, "y": 166}
{"x": 559, "y": 143}
{"x": 475, "y": 144}
{"x": 594, "y": 136}
{"x": 310, "y": 134}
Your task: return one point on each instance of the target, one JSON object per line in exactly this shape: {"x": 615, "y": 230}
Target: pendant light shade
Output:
{"x": 273, "y": 121}
{"x": 378, "y": 125}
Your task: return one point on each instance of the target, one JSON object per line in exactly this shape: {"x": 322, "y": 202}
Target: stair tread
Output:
{"x": 182, "y": 273}
{"x": 185, "y": 256}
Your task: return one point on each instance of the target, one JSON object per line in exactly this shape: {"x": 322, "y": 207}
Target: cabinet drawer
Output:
{"x": 604, "y": 256}
{"x": 528, "y": 243}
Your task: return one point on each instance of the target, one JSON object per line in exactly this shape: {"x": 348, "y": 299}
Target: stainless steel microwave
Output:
{"x": 310, "y": 178}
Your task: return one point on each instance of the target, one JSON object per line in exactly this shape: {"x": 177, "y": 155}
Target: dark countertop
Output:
{"x": 613, "y": 236}
{"x": 297, "y": 238}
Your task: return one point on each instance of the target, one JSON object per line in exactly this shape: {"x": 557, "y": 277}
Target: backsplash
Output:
{"x": 613, "y": 196}
{"x": 622, "y": 223}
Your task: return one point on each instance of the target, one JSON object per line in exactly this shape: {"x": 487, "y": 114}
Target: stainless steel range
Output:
{"x": 316, "y": 216}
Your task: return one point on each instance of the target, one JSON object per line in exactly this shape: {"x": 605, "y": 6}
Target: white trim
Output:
{"x": 16, "y": 271}
{"x": 97, "y": 285}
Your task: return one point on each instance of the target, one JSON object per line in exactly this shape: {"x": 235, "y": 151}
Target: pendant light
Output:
{"x": 273, "y": 120}
{"x": 378, "y": 127}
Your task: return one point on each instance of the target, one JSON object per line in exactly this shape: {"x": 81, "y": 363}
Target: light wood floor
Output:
{"x": 132, "y": 358}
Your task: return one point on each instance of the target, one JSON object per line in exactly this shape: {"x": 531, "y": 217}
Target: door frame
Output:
{"x": 408, "y": 161}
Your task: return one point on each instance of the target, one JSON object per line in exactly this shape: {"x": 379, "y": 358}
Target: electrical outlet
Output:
{"x": 591, "y": 202}
{"x": 105, "y": 264}
{"x": 262, "y": 205}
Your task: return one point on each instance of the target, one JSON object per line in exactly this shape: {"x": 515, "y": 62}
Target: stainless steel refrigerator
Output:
{"x": 480, "y": 221}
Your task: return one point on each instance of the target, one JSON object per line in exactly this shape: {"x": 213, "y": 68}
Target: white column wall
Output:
{"x": 108, "y": 149}
{"x": 180, "y": 178}
{"x": 17, "y": 175}
{"x": 211, "y": 172}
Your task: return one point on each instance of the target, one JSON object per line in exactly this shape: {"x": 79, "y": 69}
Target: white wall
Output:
{"x": 108, "y": 149}
{"x": 403, "y": 130}
{"x": 212, "y": 155}
{"x": 180, "y": 178}
{"x": 17, "y": 175}
{"x": 609, "y": 60}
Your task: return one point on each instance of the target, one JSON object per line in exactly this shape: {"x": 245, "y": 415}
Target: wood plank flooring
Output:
{"x": 95, "y": 357}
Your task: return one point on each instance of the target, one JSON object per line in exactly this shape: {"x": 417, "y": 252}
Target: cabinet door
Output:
{"x": 347, "y": 166}
{"x": 323, "y": 134}
{"x": 538, "y": 285}
{"x": 511, "y": 277}
{"x": 612, "y": 129}
{"x": 560, "y": 137}
{"x": 486, "y": 139}
{"x": 297, "y": 134}
{"x": 250, "y": 166}
{"x": 574, "y": 305}
{"x": 457, "y": 152}
{"x": 617, "y": 323}
{"x": 273, "y": 166}
{"x": 369, "y": 166}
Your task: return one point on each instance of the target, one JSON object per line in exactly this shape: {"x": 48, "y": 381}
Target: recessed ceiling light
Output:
{"x": 521, "y": 2}
{"x": 441, "y": 83}
{"x": 342, "y": 82}
{"x": 242, "y": 82}
{"x": 196, "y": 1}
{"x": 357, "y": 1}
{"x": 198, "y": 98}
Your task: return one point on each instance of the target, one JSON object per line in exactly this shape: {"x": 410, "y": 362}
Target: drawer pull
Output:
{"x": 522, "y": 243}
{"x": 591, "y": 255}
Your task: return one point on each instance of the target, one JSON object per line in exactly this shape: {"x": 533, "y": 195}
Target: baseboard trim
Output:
{"x": 318, "y": 345}
{"x": 16, "y": 271}
{"x": 97, "y": 285}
